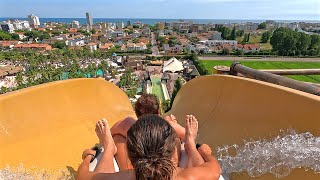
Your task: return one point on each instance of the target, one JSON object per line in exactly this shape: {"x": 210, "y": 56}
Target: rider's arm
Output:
{"x": 83, "y": 170}
{"x": 84, "y": 174}
{"x": 209, "y": 170}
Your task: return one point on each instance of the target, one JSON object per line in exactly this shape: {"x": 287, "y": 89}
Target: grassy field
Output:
{"x": 156, "y": 88}
{"x": 256, "y": 40}
{"x": 272, "y": 65}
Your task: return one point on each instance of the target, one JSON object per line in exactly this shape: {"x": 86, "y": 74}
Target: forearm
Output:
{"x": 83, "y": 170}
{"x": 212, "y": 163}
{"x": 105, "y": 165}
{"x": 194, "y": 157}
{"x": 208, "y": 170}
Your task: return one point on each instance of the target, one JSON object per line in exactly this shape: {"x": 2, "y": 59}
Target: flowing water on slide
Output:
{"x": 278, "y": 156}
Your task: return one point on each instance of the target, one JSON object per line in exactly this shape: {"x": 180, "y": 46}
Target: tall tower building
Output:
{"x": 33, "y": 21}
{"x": 89, "y": 19}
{"x": 128, "y": 23}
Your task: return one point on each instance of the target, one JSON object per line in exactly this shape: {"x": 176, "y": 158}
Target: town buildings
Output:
{"x": 11, "y": 26}
{"x": 119, "y": 25}
{"x": 34, "y": 21}
{"x": 37, "y": 47}
{"x": 8, "y": 27}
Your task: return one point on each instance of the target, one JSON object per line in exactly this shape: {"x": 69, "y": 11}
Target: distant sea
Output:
{"x": 153, "y": 21}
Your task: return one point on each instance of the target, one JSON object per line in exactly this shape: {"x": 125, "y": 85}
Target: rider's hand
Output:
{"x": 204, "y": 149}
{"x": 88, "y": 152}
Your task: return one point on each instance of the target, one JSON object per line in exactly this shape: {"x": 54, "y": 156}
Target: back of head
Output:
{"x": 147, "y": 104}
{"x": 151, "y": 145}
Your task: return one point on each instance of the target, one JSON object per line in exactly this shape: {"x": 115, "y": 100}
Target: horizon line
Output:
{"x": 172, "y": 18}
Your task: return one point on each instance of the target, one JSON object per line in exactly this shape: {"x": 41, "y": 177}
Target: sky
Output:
{"x": 166, "y": 9}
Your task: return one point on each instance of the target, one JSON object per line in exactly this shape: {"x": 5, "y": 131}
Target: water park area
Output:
{"x": 157, "y": 88}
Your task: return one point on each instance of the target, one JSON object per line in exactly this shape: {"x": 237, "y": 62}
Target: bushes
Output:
{"x": 202, "y": 70}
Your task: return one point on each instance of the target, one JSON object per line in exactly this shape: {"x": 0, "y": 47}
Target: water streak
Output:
{"x": 278, "y": 156}
{"x": 21, "y": 173}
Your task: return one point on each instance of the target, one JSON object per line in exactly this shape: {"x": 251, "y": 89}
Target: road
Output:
{"x": 224, "y": 58}
{"x": 155, "y": 50}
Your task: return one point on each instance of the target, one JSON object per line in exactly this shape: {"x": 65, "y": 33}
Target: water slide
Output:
{"x": 48, "y": 126}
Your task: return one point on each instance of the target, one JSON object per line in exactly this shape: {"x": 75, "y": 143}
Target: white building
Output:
{"x": 25, "y": 24}
{"x": 34, "y": 21}
{"x": 111, "y": 26}
{"x": 115, "y": 34}
{"x": 75, "y": 42}
{"x": 135, "y": 34}
{"x": 221, "y": 42}
{"x": 136, "y": 46}
{"x": 172, "y": 65}
{"x": 17, "y": 25}
{"x": 92, "y": 46}
{"x": 119, "y": 25}
{"x": 8, "y": 27}
{"x": 75, "y": 24}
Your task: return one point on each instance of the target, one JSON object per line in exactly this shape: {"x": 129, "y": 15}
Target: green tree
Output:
{"x": 245, "y": 38}
{"x": 265, "y": 36}
{"x": 93, "y": 31}
{"x": 87, "y": 34}
{"x": 59, "y": 45}
{"x": 226, "y": 33}
{"x": 166, "y": 106}
{"x": 262, "y": 25}
{"x": 4, "y": 35}
{"x": 15, "y": 36}
{"x": 56, "y": 33}
{"x": 303, "y": 43}
{"x": 314, "y": 48}
{"x": 284, "y": 41}
{"x": 177, "y": 87}
{"x": 200, "y": 67}
{"x": 44, "y": 36}
{"x": 161, "y": 39}
{"x": 32, "y": 34}
{"x": 233, "y": 34}
{"x": 240, "y": 33}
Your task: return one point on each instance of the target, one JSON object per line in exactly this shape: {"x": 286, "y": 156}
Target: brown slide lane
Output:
{"x": 232, "y": 109}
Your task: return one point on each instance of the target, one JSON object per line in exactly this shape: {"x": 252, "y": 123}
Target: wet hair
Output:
{"x": 147, "y": 104}
{"x": 151, "y": 145}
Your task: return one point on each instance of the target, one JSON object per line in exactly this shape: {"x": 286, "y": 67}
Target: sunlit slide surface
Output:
{"x": 257, "y": 130}
{"x": 46, "y": 128}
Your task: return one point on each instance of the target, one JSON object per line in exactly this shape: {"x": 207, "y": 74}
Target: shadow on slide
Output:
{"x": 48, "y": 126}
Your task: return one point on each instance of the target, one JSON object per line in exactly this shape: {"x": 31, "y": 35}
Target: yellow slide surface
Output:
{"x": 48, "y": 126}
{"x": 233, "y": 109}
